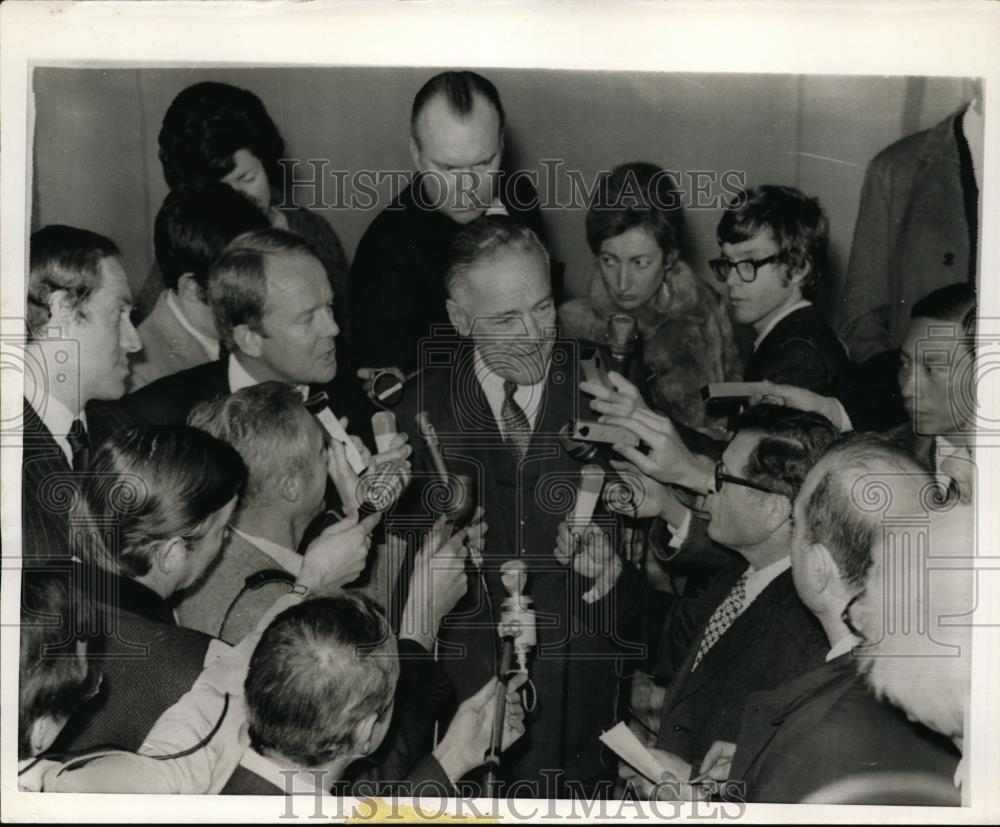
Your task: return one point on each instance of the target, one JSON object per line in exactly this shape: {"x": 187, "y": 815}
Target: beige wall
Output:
{"x": 96, "y": 164}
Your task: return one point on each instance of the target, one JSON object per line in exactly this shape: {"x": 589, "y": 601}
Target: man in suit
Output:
{"x": 273, "y": 308}
{"x": 747, "y": 630}
{"x": 79, "y": 339}
{"x": 397, "y": 278}
{"x": 286, "y": 456}
{"x": 192, "y": 228}
{"x": 826, "y": 725}
{"x": 498, "y": 398}
{"x": 774, "y": 244}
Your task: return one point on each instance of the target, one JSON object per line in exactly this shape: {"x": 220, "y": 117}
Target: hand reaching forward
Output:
{"x": 337, "y": 556}
{"x": 468, "y": 738}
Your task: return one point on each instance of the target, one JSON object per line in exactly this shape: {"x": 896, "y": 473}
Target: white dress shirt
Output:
{"x": 54, "y": 415}
{"x": 771, "y": 324}
{"x": 286, "y": 558}
{"x": 760, "y": 579}
{"x": 240, "y": 378}
{"x": 843, "y": 646}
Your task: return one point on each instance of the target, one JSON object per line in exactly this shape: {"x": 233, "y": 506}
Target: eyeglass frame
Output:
{"x": 722, "y": 477}
{"x": 756, "y": 263}
{"x": 845, "y": 617}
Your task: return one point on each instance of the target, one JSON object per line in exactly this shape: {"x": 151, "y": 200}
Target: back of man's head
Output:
{"x": 67, "y": 259}
{"x": 52, "y": 673}
{"x": 847, "y": 496}
{"x": 483, "y": 240}
{"x": 264, "y": 424}
{"x": 237, "y": 281}
{"x": 946, "y": 304}
{"x": 195, "y": 224}
{"x": 460, "y": 90}
{"x": 320, "y": 673}
{"x": 791, "y": 443}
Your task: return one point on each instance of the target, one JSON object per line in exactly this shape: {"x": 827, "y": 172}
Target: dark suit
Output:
{"x": 774, "y": 639}
{"x": 169, "y": 400}
{"x": 800, "y": 350}
{"x": 147, "y": 661}
{"x": 47, "y": 492}
{"x": 825, "y": 726}
{"x": 573, "y": 665}
{"x": 397, "y": 279}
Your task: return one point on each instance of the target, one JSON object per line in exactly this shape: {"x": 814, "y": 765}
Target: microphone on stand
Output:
{"x": 518, "y": 637}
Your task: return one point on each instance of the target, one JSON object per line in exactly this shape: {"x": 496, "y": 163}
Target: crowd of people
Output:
{"x": 237, "y": 580}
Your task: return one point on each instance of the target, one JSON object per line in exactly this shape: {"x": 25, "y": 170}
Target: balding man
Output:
{"x": 397, "y": 280}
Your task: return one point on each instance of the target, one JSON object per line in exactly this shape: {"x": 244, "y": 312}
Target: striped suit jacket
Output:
{"x": 48, "y": 490}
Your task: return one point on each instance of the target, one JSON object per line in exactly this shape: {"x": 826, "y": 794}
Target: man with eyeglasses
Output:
{"x": 747, "y": 631}
{"x": 774, "y": 245}
{"x": 825, "y": 725}
{"x": 397, "y": 279}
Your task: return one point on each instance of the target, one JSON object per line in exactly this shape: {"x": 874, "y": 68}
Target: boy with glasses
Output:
{"x": 774, "y": 244}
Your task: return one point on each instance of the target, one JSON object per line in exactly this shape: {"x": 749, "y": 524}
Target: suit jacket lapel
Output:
{"x": 749, "y": 626}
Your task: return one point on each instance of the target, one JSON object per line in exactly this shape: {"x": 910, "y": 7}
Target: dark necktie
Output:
{"x": 79, "y": 445}
{"x": 514, "y": 422}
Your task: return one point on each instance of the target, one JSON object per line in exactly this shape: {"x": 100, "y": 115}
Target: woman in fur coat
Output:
{"x": 634, "y": 229}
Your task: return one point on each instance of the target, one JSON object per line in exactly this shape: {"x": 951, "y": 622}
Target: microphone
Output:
{"x": 588, "y": 493}
{"x": 621, "y": 334}
{"x": 384, "y": 428}
{"x": 517, "y": 618}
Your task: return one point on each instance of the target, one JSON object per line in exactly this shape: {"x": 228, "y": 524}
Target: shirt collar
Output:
{"x": 529, "y": 397}
{"x": 240, "y": 378}
{"x": 843, "y": 646}
{"x": 303, "y": 782}
{"x": 208, "y": 344}
{"x": 288, "y": 559}
{"x": 771, "y": 324}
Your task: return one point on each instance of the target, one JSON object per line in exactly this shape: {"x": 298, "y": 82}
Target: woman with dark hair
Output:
{"x": 635, "y": 229}
{"x": 217, "y": 132}
{"x": 154, "y": 511}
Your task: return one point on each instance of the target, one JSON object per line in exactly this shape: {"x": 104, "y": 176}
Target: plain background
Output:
{"x": 96, "y": 163}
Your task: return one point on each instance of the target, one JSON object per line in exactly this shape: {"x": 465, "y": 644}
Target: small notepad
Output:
{"x": 630, "y": 749}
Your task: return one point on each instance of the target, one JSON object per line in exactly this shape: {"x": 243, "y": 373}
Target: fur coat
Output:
{"x": 686, "y": 341}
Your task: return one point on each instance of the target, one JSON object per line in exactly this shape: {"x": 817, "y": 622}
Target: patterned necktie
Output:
{"x": 513, "y": 421}
{"x": 722, "y": 618}
{"x": 79, "y": 445}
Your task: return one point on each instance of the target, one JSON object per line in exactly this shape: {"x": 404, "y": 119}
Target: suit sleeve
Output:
{"x": 801, "y": 363}
{"x": 863, "y": 317}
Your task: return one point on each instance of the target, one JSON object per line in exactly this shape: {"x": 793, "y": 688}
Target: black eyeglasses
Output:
{"x": 845, "y": 617}
{"x": 745, "y": 269}
{"x": 722, "y": 477}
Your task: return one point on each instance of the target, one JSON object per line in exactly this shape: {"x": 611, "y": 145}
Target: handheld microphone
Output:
{"x": 588, "y": 493}
{"x": 384, "y": 428}
{"x": 621, "y": 334}
{"x": 517, "y": 618}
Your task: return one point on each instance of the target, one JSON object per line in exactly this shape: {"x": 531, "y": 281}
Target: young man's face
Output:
{"x": 460, "y": 154}
{"x": 505, "y": 305}
{"x": 774, "y": 288}
{"x": 937, "y": 391}
{"x": 105, "y": 335}
{"x": 299, "y": 331}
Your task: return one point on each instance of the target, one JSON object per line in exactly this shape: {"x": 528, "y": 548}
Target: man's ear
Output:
{"x": 779, "y": 511}
{"x": 189, "y": 289}
{"x": 798, "y": 275}
{"x": 60, "y": 313}
{"x": 171, "y": 555}
{"x": 249, "y": 342}
{"x": 415, "y": 152}
{"x": 820, "y": 566}
{"x": 363, "y": 735}
{"x": 459, "y": 317}
{"x": 290, "y": 487}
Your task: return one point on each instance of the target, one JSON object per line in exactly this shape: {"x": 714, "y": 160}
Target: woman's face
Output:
{"x": 632, "y": 267}
{"x": 250, "y": 178}
{"x": 201, "y": 553}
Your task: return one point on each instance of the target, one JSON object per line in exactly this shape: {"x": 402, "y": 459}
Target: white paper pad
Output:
{"x": 631, "y": 750}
